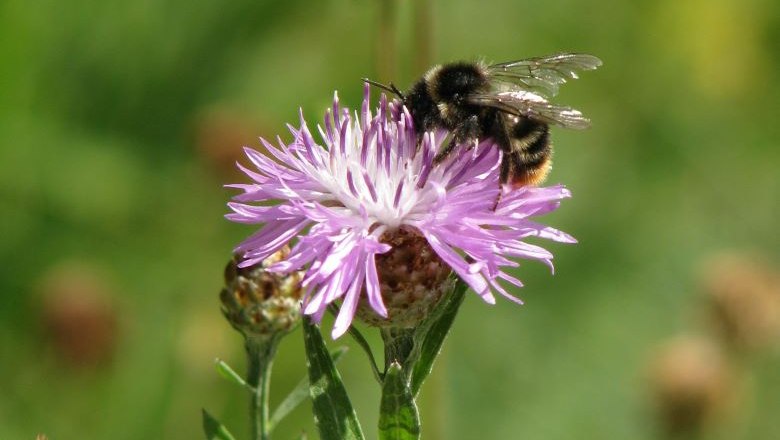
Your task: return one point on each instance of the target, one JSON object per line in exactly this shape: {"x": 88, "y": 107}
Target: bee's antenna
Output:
{"x": 391, "y": 88}
{"x": 397, "y": 92}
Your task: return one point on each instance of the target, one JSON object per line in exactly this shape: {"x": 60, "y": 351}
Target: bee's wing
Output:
{"x": 543, "y": 74}
{"x": 533, "y": 106}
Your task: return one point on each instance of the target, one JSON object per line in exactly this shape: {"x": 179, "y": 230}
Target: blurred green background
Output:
{"x": 120, "y": 122}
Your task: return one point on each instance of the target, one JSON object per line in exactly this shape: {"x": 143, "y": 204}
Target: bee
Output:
{"x": 508, "y": 102}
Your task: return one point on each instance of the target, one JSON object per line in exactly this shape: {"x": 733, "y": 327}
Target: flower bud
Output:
{"x": 744, "y": 297}
{"x": 79, "y": 314}
{"x": 693, "y": 385}
{"x": 412, "y": 279}
{"x": 260, "y": 303}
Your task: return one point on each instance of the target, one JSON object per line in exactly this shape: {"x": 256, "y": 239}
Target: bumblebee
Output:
{"x": 507, "y": 102}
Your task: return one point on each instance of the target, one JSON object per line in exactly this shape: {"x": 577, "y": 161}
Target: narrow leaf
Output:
{"x": 213, "y": 429}
{"x": 333, "y": 412}
{"x": 430, "y": 336}
{"x": 299, "y": 393}
{"x": 228, "y": 373}
{"x": 362, "y": 342}
{"x": 398, "y": 416}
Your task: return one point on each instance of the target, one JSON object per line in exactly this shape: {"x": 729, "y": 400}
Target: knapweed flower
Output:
{"x": 345, "y": 200}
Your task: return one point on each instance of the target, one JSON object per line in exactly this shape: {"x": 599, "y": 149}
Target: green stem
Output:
{"x": 409, "y": 356}
{"x": 398, "y": 345}
{"x": 260, "y": 353}
{"x": 399, "y": 418}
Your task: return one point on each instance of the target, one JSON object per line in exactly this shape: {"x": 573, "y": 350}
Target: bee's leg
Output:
{"x": 469, "y": 130}
{"x": 503, "y": 178}
{"x": 505, "y": 167}
{"x": 498, "y": 199}
{"x": 441, "y": 155}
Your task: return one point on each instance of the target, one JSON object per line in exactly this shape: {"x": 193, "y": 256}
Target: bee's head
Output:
{"x": 451, "y": 83}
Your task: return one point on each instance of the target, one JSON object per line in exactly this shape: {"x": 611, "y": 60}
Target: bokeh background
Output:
{"x": 121, "y": 121}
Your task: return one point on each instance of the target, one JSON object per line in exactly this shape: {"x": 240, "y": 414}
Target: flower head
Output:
{"x": 340, "y": 199}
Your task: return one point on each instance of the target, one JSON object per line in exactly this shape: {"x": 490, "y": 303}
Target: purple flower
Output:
{"x": 335, "y": 199}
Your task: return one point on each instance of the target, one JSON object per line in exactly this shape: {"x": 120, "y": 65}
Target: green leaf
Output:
{"x": 362, "y": 342}
{"x": 398, "y": 416}
{"x": 228, "y": 373}
{"x": 333, "y": 412}
{"x": 299, "y": 393}
{"x": 430, "y": 336}
{"x": 213, "y": 429}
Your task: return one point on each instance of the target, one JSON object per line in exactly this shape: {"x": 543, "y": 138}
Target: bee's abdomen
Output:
{"x": 531, "y": 152}
{"x": 535, "y": 146}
